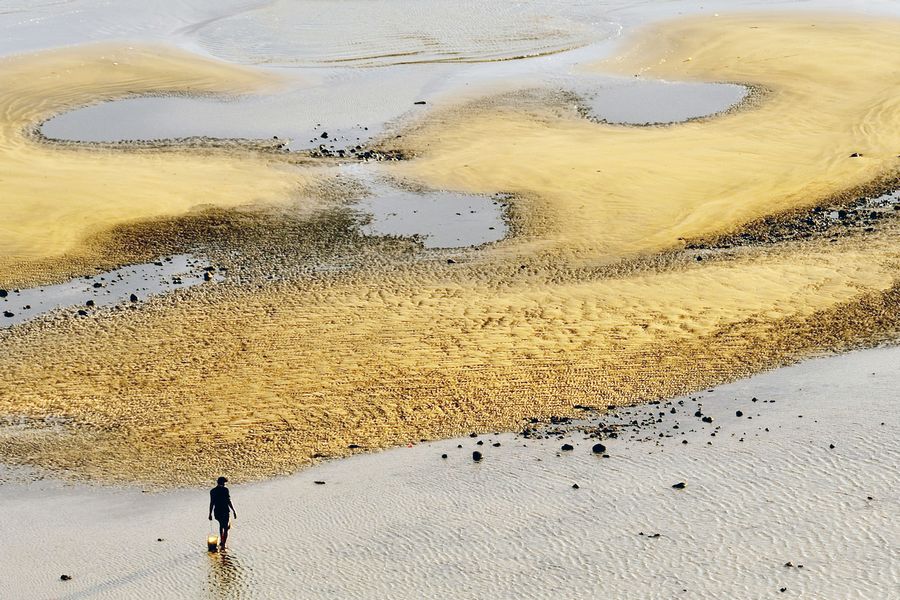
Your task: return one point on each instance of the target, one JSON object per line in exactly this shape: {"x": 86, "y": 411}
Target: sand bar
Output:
{"x": 592, "y": 299}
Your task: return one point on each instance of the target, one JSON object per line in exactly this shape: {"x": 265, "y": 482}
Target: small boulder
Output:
{"x": 477, "y": 456}
{"x": 680, "y": 485}
{"x": 598, "y": 449}
{"x": 65, "y": 577}
{"x": 739, "y": 413}
{"x": 575, "y": 486}
{"x": 567, "y": 447}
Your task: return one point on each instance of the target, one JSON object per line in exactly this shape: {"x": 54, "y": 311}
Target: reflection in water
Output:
{"x": 227, "y": 579}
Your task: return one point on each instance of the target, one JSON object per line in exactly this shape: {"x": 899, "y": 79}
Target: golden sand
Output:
{"x": 57, "y": 201}
{"x": 607, "y": 191}
{"x": 259, "y": 380}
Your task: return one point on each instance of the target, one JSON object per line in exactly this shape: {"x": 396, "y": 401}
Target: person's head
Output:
{"x": 222, "y": 480}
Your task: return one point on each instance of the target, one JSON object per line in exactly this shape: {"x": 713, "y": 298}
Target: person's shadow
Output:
{"x": 227, "y": 579}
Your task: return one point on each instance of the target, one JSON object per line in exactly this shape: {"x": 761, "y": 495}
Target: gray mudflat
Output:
{"x": 645, "y": 102}
{"x": 104, "y": 289}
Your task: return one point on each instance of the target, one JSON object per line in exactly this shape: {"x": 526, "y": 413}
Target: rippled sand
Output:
{"x": 593, "y": 299}
{"x": 302, "y": 32}
{"x": 408, "y": 524}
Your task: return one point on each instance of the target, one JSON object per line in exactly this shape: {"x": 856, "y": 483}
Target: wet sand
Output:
{"x": 405, "y": 523}
{"x": 594, "y": 297}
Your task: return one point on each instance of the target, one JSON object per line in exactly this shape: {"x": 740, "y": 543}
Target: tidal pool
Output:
{"x": 84, "y": 294}
{"x": 649, "y": 102}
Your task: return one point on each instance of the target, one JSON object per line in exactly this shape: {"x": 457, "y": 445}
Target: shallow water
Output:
{"x": 262, "y": 117}
{"x": 408, "y": 524}
{"x": 647, "y": 102}
{"x": 440, "y": 219}
{"x": 105, "y": 289}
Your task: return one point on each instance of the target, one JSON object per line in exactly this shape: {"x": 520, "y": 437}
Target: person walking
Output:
{"x": 220, "y": 505}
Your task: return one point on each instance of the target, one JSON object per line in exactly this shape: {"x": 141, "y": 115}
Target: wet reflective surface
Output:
{"x": 645, "y": 102}
{"x": 126, "y": 285}
{"x": 440, "y": 219}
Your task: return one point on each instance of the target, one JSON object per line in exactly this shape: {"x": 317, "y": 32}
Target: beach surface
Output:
{"x": 762, "y": 490}
{"x": 331, "y": 249}
{"x": 613, "y": 285}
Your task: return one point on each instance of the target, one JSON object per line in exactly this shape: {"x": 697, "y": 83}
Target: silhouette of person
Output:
{"x": 220, "y": 505}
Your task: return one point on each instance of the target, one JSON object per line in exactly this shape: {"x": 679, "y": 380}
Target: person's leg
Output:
{"x": 223, "y": 531}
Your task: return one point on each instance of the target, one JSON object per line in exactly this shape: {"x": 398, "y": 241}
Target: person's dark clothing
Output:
{"x": 220, "y": 499}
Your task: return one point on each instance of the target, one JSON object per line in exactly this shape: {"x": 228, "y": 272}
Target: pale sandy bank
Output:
{"x": 407, "y": 524}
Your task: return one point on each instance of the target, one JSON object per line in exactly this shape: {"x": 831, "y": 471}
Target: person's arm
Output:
{"x": 210, "y": 506}
{"x": 231, "y": 506}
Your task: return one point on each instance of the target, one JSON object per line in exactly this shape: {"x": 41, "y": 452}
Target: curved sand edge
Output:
{"x": 263, "y": 379}
{"x": 406, "y": 524}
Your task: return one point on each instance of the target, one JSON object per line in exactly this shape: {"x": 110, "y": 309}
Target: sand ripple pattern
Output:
{"x": 383, "y": 32}
{"x": 407, "y": 524}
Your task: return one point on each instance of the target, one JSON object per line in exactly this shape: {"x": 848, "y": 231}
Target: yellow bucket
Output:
{"x": 212, "y": 543}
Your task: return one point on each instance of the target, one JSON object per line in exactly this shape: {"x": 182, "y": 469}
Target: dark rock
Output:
{"x": 496, "y": 444}
{"x": 419, "y": 102}
{"x": 575, "y": 486}
{"x": 354, "y": 446}
{"x": 65, "y": 577}
{"x": 319, "y": 482}
{"x": 477, "y": 456}
{"x": 698, "y": 414}
{"x": 324, "y": 135}
{"x": 443, "y": 456}
{"x": 707, "y": 419}
{"x": 831, "y": 446}
{"x": 207, "y": 276}
{"x": 680, "y": 485}
{"x": 133, "y": 297}
{"x": 473, "y": 435}
{"x": 855, "y": 155}
{"x": 459, "y": 445}
{"x": 598, "y": 449}
{"x": 450, "y": 261}
{"x": 82, "y": 313}
{"x": 739, "y": 414}
{"x": 8, "y": 314}
{"x": 4, "y": 293}
{"x": 89, "y": 303}
{"x": 567, "y": 447}
{"x": 479, "y": 443}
